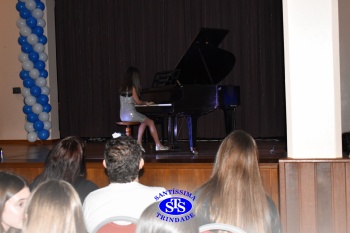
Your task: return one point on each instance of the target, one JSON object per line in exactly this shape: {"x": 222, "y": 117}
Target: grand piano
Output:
{"x": 191, "y": 90}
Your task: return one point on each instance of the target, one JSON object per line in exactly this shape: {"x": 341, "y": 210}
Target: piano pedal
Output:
{"x": 194, "y": 150}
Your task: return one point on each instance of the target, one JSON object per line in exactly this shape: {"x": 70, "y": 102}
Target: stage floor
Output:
{"x": 270, "y": 151}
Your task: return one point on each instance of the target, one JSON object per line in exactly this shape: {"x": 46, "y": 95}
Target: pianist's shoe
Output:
{"x": 143, "y": 149}
{"x": 161, "y": 148}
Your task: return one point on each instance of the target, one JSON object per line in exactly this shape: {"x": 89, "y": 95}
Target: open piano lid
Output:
{"x": 204, "y": 62}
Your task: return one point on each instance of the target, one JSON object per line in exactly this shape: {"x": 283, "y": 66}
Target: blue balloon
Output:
{"x": 27, "y": 48}
{"x": 31, "y": 21}
{"x": 27, "y": 109}
{"x": 40, "y": 5}
{"x": 40, "y": 65}
{"x": 33, "y": 56}
{"x": 37, "y": 1}
{"x": 25, "y": 13}
{"x": 38, "y": 125}
{"x": 37, "y": 30}
{"x": 42, "y": 99}
{"x": 35, "y": 90}
{"x": 20, "y": 6}
{"x": 22, "y": 40}
{"x": 32, "y": 117}
{"x": 43, "y": 134}
{"x": 42, "y": 39}
{"x": 47, "y": 108}
{"x": 44, "y": 73}
{"x": 24, "y": 74}
{"x": 28, "y": 82}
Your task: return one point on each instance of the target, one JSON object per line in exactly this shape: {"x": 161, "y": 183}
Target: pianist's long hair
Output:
{"x": 131, "y": 78}
{"x": 234, "y": 194}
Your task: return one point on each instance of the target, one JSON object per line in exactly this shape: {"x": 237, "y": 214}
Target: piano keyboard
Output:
{"x": 153, "y": 105}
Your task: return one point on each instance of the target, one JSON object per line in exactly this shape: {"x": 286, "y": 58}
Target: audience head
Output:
{"x": 123, "y": 159}
{"x": 130, "y": 79}
{"x": 14, "y": 193}
{"x": 149, "y": 223}
{"x": 65, "y": 161}
{"x": 234, "y": 193}
{"x": 238, "y": 157}
{"x": 54, "y": 206}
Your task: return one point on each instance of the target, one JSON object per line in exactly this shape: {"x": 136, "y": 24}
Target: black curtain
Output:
{"x": 97, "y": 40}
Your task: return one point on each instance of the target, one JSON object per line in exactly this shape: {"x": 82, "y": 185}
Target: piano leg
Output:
{"x": 170, "y": 129}
{"x": 230, "y": 119}
{"x": 192, "y": 133}
{"x": 172, "y": 133}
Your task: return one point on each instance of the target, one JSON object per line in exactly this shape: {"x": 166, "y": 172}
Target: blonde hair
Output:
{"x": 54, "y": 206}
{"x": 235, "y": 192}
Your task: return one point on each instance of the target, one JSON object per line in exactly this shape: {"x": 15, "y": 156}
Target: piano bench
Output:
{"x": 128, "y": 125}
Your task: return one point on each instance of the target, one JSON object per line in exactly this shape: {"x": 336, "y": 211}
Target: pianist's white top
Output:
{"x": 128, "y": 111}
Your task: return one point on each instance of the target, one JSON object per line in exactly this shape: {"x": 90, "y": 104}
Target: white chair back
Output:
{"x": 131, "y": 220}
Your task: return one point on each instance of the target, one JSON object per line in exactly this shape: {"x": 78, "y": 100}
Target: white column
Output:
{"x": 311, "y": 40}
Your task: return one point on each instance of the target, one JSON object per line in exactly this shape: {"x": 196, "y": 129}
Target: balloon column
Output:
{"x": 35, "y": 91}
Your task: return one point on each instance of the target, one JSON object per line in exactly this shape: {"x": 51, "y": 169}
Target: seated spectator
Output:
{"x": 14, "y": 193}
{"x": 66, "y": 162}
{"x": 124, "y": 196}
{"x": 150, "y": 223}
{"x": 234, "y": 194}
{"x": 54, "y": 206}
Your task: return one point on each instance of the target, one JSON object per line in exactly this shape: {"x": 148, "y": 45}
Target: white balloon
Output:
{"x": 21, "y": 23}
{"x": 38, "y": 48}
{"x": 30, "y": 100}
{"x": 29, "y": 127}
{"x": 37, "y": 13}
{"x": 23, "y": 57}
{"x": 44, "y": 116}
{"x": 41, "y": 23}
{"x": 25, "y": 31}
{"x": 32, "y": 136}
{"x": 40, "y": 82}
{"x": 30, "y": 5}
{"x": 32, "y": 39}
{"x": 25, "y": 92}
{"x": 47, "y": 125}
{"x": 37, "y": 108}
{"x": 27, "y": 65}
{"x": 34, "y": 73}
{"x": 43, "y": 56}
{"x": 45, "y": 90}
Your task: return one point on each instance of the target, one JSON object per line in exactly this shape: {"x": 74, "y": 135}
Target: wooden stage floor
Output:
{"x": 170, "y": 169}
{"x": 270, "y": 150}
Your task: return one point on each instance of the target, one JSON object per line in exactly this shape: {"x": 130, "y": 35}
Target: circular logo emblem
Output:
{"x": 175, "y": 206}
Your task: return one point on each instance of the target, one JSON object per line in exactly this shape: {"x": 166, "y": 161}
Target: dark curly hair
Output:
{"x": 122, "y": 156}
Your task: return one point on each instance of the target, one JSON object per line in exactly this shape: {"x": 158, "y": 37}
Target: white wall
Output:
{"x": 12, "y": 119}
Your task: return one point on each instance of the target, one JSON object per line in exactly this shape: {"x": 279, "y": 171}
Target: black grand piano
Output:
{"x": 191, "y": 90}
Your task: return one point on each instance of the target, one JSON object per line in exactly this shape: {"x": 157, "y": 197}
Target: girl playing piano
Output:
{"x": 129, "y": 92}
